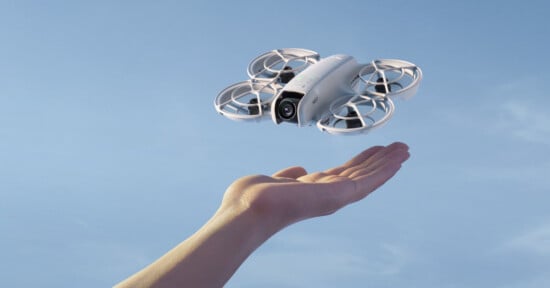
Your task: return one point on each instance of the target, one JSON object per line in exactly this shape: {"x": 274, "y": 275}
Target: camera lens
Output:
{"x": 287, "y": 109}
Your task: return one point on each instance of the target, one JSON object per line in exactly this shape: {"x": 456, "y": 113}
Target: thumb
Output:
{"x": 291, "y": 172}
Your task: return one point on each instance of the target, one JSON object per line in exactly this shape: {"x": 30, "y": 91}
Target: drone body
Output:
{"x": 339, "y": 94}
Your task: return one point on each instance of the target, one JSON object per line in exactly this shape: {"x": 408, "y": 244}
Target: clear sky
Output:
{"x": 111, "y": 151}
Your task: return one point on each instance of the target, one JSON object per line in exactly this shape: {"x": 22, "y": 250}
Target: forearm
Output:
{"x": 209, "y": 257}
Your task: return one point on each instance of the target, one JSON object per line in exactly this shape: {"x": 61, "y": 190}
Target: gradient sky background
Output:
{"x": 111, "y": 151}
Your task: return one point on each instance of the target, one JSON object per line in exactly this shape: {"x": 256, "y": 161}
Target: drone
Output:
{"x": 341, "y": 96}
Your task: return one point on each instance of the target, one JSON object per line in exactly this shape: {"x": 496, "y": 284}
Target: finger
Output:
{"x": 291, "y": 172}
{"x": 395, "y": 157}
{"x": 370, "y": 155}
{"x": 332, "y": 178}
{"x": 366, "y": 184}
{"x": 371, "y": 170}
{"x": 383, "y": 153}
{"x": 313, "y": 177}
{"x": 389, "y": 153}
{"x": 359, "y": 158}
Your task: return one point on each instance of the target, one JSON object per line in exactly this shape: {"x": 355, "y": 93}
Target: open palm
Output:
{"x": 292, "y": 194}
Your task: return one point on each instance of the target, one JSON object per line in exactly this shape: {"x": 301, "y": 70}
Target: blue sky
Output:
{"x": 111, "y": 151}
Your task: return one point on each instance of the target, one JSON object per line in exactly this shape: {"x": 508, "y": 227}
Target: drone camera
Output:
{"x": 287, "y": 107}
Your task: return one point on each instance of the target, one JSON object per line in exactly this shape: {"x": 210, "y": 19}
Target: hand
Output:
{"x": 291, "y": 195}
{"x": 256, "y": 207}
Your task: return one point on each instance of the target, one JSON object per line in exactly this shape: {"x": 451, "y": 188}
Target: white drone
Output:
{"x": 297, "y": 86}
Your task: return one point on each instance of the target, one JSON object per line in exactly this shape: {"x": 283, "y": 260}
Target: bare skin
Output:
{"x": 256, "y": 207}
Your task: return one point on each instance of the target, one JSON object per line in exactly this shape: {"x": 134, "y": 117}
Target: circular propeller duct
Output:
{"x": 282, "y": 64}
{"x": 360, "y": 114}
{"x": 246, "y": 100}
{"x": 388, "y": 78}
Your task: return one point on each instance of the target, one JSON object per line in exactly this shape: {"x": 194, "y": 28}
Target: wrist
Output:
{"x": 257, "y": 225}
